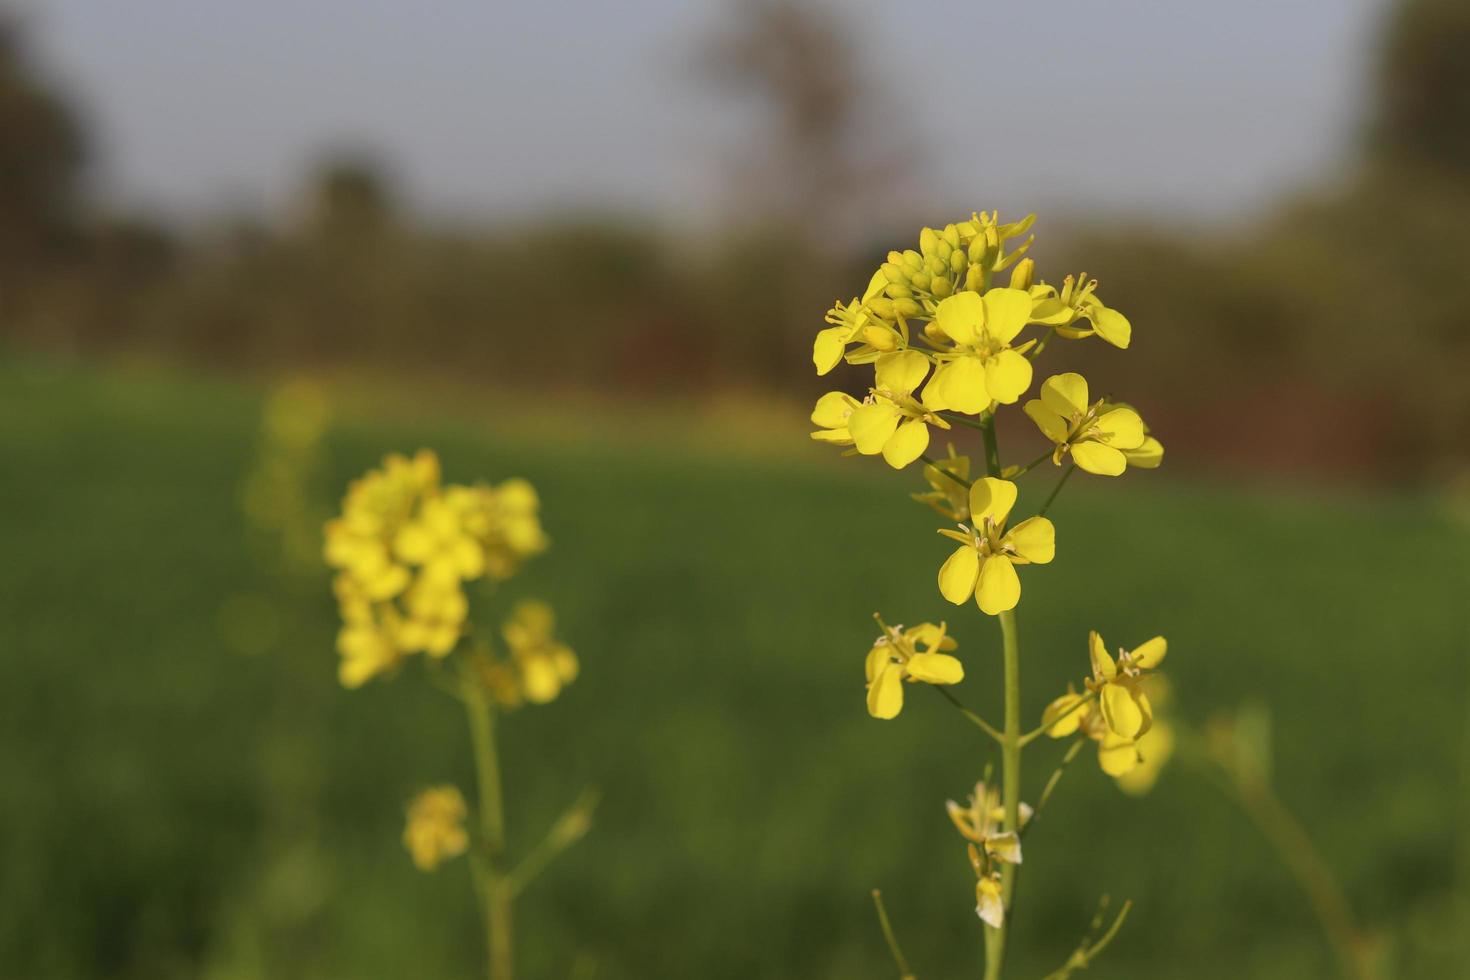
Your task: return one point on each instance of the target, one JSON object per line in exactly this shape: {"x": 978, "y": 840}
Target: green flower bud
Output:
{"x": 941, "y": 287}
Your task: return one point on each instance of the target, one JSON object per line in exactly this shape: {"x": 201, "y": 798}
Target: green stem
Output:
{"x": 1056, "y": 490}
{"x": 974, "y": 718}
{"x": 905, "y": 971}
{"x": 953, "y": 476}
{"x": 1010, "y": 781}
{"x": 496, "y": 886}
{"x": 963, "y": 420}
{"x": 992, "y": 452}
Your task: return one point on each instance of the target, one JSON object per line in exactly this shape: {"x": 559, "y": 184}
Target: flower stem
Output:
{"x": 495, "y": 886}
{"x": 906, "y": 972}
{"x": 1010, "y": 781}
{"x": 1056, "y": 490}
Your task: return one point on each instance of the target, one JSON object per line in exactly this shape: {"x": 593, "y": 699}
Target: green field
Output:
{"x": 173, "y": 807}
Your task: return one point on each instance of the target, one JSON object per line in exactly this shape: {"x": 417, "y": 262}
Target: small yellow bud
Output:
{"x": 894, "y": 272}
{"x": 936, "y": 265}
{"x": 920, "y": 280}
{"x": 1024, "y": 274}
{"x": 952, "y": 236}
{"x": 880, "y": 337}
{"x": 907, "y": 307}
{"x": 882, "y": 307}
{"x": 913, "y": 260}
{"x": 928, "y": 239}
{"x": 941, "y": 287}
{"x": 975, "y": 277}
{"x": 898, "y": 291}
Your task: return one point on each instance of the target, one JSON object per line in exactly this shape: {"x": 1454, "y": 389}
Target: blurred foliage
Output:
{"x": 178, "y": 804}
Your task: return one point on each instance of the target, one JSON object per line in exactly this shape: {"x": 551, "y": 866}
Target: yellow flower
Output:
{"x": 897, "y": 656}
{"x": 435, "y": 830}
{"x": 1075, "y": 305}
{"x": 544, "y": 666}
{"x": 831, "y": 413}
{"x": 981, "y": 367}
{"x": 1119, "y": 757}
{"x": 436, "y": 609}
{"x": 1098, "y": 439}
{"x": 892, "y": 421}
{"x": 437, "y": 541}
{"x": 980, "y": 821}
{"x": 984, "y": 564}
{"x": 851, "y": 322}
{"x": 367, "y": 650}
{"x": 1125, "y": 707}
{"x": 1149, "y": 454}
{"x": 504, "y": 519}
{"x": 947, "y": 496}
{"x": 375, "y": 507}
{"x": 989, "y": 904}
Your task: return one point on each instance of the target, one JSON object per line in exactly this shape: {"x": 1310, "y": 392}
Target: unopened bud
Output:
{"x": 1023, "y": 275}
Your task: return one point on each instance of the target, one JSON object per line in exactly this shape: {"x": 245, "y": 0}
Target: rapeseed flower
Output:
{"x": 980, "y": 822}
{"x": 892, "y": 421}
{"x": 984, "y": 564}
{"x": 916, "y": 654}
{"x": 852, "y": 322}
{"x": 1124, "y": 704}
{"x": 1076, "y": 312}
{"x": 980, "y": 366}
{"x": 831, "y": 413}
{"x": 543, "y": 665}
{"x": 1098, "y": 436}
{"x": 435, "y": 830}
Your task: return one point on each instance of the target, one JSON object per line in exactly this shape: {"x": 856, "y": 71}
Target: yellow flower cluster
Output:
{"x": 404, "y": 547}
{"x": 1117, "y": 712}
{"x": 538, "y": 666}
{"x": 917, "y": 654}
{"x": 435, "y": 832}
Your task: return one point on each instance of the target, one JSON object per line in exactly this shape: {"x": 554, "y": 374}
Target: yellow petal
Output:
{"x": 1094, "y": 457}
{"x": 1050, "y": 423}
{"x": 958, "y": 574}
{"x": 828, "y": 348}
{"x": 907, "y": 444}
{"x": 959, "y": 385}
{"x": 1035, "y": 539}
{"x": 1103, "y": 667}
{"x": 1123, "y": 428}
{"x": 871, "y": 425}
{"x": 1006, "y": 313}
{"x": 1116, "y": 755}
{"x": 960, "y": 317}
{"x": 1111, "y": 326}
{"x": 1004, "y": 847}
{"x": 1007, "y": 376}
{"x": 1049, "y": 310}
{"x": 885, "y": 695}
{"x": 1151, "y": 653}
{"x": 876, "y": 285}
{"x": 993, "y": 498}
{"x": 901, "y": 372}
{"x": 988, "y": 904}
{"x": 1147, "y": 456}
{"x": 935, "y": 668}
{"x": 999, "y": 588}
{"x": 1122, "y": 711}
{"x": 1065, "y": 394}
{"x": 877, "y": 659}
{"x": 1063, "y": 716}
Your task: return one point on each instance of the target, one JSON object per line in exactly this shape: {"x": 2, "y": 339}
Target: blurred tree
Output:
{"x": 42, "y": 153}
{"x": 1423, "y": 99}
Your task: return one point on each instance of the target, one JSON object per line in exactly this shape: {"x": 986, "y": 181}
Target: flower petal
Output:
{"x": 959, "y": 385}
{"x": 833, "y": 408}
{"x": 1004, "y": 847}
{"x": 1123, "y": 428}
{"x": 877, "y": 659}
{"x": 960, "y": 317}
{"x": 1094, "y": 457}
{"x": 901, "y": 372}
{"x": 1147, "y": 456}
{"x": 999, "y": 589}
{"x": 871, "y": 425}
{"x": 993, "y": 498}
{"x": 1151, "y": 653}
{"x": 1116, "y": 755}
{"x": 906, "y": 444}
{"x": 1065, "y": 394}
{"x": 1007, "y": 376}
{"x": 935, "y": 668}
{"x": 1111, "y": 326}
{"x": 1063, "y": 716}
{"x": 1103, "y": 667}
{"x": 1122, "y": 711}
{"x": 828, "y": 348}
{"x": 958, "y": 574}
{"x": 1035, "y": 539}
{"x": 1052, "y": 425}
{"x": 1006, "y": 313}
{"x": 885, "y": 695}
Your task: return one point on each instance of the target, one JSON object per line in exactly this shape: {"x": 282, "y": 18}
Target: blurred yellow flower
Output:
{"x": 1099, "y": 440}
{"x": 437, "y": 540}
{"x": 544, "y": 666}
{"x": 983, "y": 565}
{"x": 435, "y": 829}
{"x": 915, "y": 654}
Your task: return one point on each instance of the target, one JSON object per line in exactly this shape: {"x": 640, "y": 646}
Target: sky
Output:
{"x": 488, "y": 108}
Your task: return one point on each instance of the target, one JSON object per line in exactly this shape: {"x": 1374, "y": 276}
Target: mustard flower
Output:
{"x": 831, "y": 414}
{"x": 852, "y": 322}
{"x": 435, "y": 831}
{"x": 375, "y": 507}
{"x": 981, "y": 366}
{"x": 980, "y": 821}
{"x": 892, "y": 421}
{"x": 437, "y": 541}
{"x": 984, "y": 564}
{"x": 1076, "y": 312}
{"x": 1099, "y": 437}
{"x": 1124, "y": 704}
{"x": 1149, "y": 454}
{"x": 435, "y": 610}
{"x": 505, "y": 520}
{"x": 543, "y": 665}
{"x": 915, "y": 654}
{"x": 1116, "y": 756}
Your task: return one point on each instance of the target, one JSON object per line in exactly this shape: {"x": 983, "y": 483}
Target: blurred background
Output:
{"x": 247, "y": 249}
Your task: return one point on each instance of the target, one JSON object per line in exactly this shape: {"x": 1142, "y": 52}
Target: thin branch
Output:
{"x": 979, "y": 722}
{"x": 1040, "y": 730}
{"x": 1056, "y": 490}
{"x": 953, "y": 476}
{"x": 905, "y": 971}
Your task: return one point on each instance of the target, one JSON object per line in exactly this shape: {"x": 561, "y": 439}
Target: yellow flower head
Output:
{"x": 984, "y": 564}
{"x": 948, "y": 496}
{"x": 892, "y": 421}
{"x": 831, "y": 414}
{"x": 1076, "y": 312}
{"x": 1098, "y": 436}
{"x": 376, "y": 506}
{"x": 1125, "y": 707}
{"x": 915, "y": 654}
{"x": 435, "y": 829}
{"x": 543, "y": 665}
{"x": 1148, "y": 455}
{"x": 980, "y": 823}
{"x": 853, "y": 322}
{"x": 979, "y": 365}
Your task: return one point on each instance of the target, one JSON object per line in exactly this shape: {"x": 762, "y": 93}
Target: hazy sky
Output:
{"x": 494, "y": 107}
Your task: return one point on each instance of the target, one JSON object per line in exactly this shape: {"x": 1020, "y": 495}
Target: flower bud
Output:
{"x": 927, "y": 241}
{"x": 940, "y": 286}
{"x": 1023, "y": 275}
{"x": 907, "y": 307}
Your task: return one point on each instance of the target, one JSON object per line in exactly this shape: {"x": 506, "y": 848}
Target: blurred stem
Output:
{"x": 953, "y": 476}
{"x": 1302, "y": 859}
{"x": 496, "y": 886}
{"x": 1056, "y": 490}
{"x": 1056, "y": 777}
{"x": 905, "y": 971}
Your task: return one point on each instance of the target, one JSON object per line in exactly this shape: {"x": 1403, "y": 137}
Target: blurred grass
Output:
{"x": 173, "y": 808}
